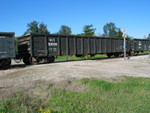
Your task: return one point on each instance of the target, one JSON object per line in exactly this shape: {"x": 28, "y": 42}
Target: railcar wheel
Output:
{"x": 109, "y": 55}
{"x": 136, "y": 53}
{"x": 51, "y": 59}
{"x": 79, "y": 55}
{"x": 26, "y": 61}
{"x": 17, "y": 60}
{"x": 92, "y": 55}
{"x": 1, "y": 63}
{"x": 116, "y": 54}
{"x": 6, "y": 63}
{"x": 131, "y": 53}
{"x": 29, "y": 60}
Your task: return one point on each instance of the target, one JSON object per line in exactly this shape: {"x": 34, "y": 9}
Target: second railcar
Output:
{"x": 34, "y": 48}
{"x": 37, "y": 47}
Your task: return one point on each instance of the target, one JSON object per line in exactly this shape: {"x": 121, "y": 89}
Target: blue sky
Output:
{"x": 130, "y": 15}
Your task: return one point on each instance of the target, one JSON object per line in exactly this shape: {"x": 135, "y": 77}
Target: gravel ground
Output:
{"x": 21, "y": 77}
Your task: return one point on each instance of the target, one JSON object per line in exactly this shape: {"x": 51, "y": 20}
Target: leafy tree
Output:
{"x": 88, "y": 30}
{"x": 32, "y": 27}
{"x": 43, "y": 29}
{"x": 65, "y": 30}
{"x": 129, "y": 36}
{"x": 111, "y": 30}
{"x": 35, "y": 27}
{"x": 119, "y": 33}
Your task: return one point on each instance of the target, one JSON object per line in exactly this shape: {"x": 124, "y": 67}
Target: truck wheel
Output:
{"x": 6, "y": 63}
{"x": 1, "y": 63}
{"x": 109, "y": 55}
{"x": 28, "y": 60}
{"x": 92, "y": 55}
{"x": 136, "y": 53}
{"x": 116, "y": 54}
{"x": 79, "y": 55}
{"x": 51, "y": 59}
{"x": 132, "y": 53}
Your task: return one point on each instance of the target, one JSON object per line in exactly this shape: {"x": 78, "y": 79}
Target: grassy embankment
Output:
{"x": 64, "y": 58}
{"x": 144, "y": 53}
{"x": 130, "y": 95}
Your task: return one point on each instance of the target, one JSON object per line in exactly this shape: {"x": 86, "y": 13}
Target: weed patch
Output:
{"x": 130, "y": 95}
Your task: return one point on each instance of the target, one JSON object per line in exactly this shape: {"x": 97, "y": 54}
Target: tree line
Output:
{"x": 109, "y": 30}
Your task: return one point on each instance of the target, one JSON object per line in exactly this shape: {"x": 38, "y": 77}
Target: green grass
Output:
{"x": 144, "y": 53}
{"x": 132, "y": 95}
{"x": 65, "y": 58}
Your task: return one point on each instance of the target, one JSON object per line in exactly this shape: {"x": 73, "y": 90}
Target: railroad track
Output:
{"x": 21, "y": 65}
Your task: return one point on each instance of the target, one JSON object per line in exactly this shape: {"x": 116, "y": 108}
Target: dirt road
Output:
{"x": 29, "y": 77}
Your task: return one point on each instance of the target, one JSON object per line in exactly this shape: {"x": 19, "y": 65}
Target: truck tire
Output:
{"x": 79, "y": 55}
{"x": 109, "y": 55}
{"x": 116, "y": 54}
{"x": 29, "y": 60}
{"x": 6, "y": 63}
{"x": 51, "y": 59}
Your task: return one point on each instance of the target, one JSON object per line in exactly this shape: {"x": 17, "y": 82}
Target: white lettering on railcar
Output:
{"x": 140, "y": 43}
{"x": 2, "y": 37}
{"x": 52, "y": 40}
{"x": 53, "y": 49}
{"x": 3, "y": 52}
{"x": 52, "y": 44}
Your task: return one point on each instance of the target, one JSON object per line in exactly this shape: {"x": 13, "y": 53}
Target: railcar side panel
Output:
{"x": 113, "y": 45}
{"x": 103, "y": 45}
{"x": 63, "y": 45}
{"x": 98, "y": 45}
{"x": 148, "y": 45}
{"x": 86, "y": 46}
{"x": 79, "y": 45}
{"x": 145, "y": 45}
{"x": 53, "y": 45}
{"x": 7, "y": 45}
{"x": 92, "y": 46}
{"x": 128, "y": 45}
{"x": 116, "y": 45}
{"x": 72, "y": 46}
{"x": 108, "y": 44}
{"x": 121, "y": 45}
{"x": 39, "y": 46}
